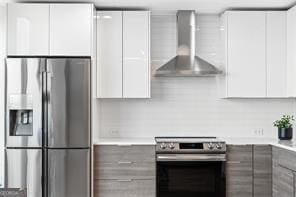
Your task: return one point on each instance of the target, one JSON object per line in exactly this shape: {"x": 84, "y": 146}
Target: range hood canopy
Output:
{"x": 186, "y": 64}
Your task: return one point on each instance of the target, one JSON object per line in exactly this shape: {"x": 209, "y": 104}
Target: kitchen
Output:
{"x": 251, "y": 42}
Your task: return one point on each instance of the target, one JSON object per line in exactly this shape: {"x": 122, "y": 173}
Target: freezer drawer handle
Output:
{"x": 123, "y": 145}
{"x": 125, "y": 162}
{"x": 124, "y": 180}
{"x": 233, "y": 162}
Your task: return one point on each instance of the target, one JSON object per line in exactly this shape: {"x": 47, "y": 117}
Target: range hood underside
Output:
{"x": 187, "y": 66}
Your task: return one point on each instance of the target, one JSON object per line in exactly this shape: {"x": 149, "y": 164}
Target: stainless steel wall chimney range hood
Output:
{"x": 186, "y": 64}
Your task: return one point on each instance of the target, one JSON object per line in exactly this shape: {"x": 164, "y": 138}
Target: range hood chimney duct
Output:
{"x": 186, "y": 64}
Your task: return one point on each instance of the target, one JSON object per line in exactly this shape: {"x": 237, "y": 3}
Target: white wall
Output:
{"x": 2, "y": 56}
{"x": 188, "y": 106}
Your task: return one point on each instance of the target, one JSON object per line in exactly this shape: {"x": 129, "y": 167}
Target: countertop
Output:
{"x": 287, "y": 144}
{"x": 125, "y": 141}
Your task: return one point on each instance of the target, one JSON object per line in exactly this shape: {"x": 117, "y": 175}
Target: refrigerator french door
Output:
{"x": 24, "y": 132}
{"x": 68, "y": 126}
{"x": 48, "y": 126}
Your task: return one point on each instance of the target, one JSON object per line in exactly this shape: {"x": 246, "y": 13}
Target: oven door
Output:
{"x": 190, "y": 175}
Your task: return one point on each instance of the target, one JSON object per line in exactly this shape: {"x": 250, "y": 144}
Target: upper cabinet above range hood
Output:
{"x": 186, "y": 64}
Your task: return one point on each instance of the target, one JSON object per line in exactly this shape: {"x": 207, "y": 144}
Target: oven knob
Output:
{"x": 210, "y": 145}
{"x": 219, "y": 146}
{"x": 162, "y": 145}
{"x": 171, "y": 145}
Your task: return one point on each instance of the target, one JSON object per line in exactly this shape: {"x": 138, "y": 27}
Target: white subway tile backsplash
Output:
{"x": 188, "y": 106}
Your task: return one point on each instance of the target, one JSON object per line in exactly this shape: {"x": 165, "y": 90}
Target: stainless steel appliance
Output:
{"x": 48, "y": 126}
{"x": 186, "y": 63}
{"x": 190, "y": 166}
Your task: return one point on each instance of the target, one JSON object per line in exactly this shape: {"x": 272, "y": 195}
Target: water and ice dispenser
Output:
{"x": 20, "y": 111}
{"x": 21, "y": 122}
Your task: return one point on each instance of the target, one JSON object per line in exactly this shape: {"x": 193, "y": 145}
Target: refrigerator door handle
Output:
{"x": 47, "y": 111}
{"x": 48, "y": 84}
{"x": 44, "y": 107}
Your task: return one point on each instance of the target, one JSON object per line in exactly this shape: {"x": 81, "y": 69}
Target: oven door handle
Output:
{"x": 191, "y": 157}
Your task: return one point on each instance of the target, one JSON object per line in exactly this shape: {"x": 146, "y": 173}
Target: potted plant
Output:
{"x": 285, "y": 127}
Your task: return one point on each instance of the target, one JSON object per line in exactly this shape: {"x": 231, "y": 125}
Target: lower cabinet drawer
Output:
{"x": 125, "y": 170}
{"x": 124, "y": 188}
{"x": 287, "y": 159}
{"x": 133, "y": 153}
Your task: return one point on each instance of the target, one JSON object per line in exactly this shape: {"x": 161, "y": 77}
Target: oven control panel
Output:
{"x": 191, "y": 147}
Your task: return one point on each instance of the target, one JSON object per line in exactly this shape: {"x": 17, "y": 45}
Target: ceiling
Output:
{"x": 201, "y": 6}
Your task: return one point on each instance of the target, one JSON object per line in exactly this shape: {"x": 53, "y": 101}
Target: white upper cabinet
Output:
{"x": 291, "y": 51}
{"x": 123, "y": 54}
{"x": 255, "y": 54}
{"x": 50, "y": 29}
{"x": 136, "y": 56}
{"x": 28, "y": 29}
{"x": 109, "y": 54}
{"x": 276, "y": 53}
{"x": 71, "y": 29}
{"x": 246, "y": 54}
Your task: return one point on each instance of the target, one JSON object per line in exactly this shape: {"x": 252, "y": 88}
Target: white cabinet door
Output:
{"x": 136, "y": 55}
{"x": 276, "y": 53}
{"x": 246, "y": 54}
{"x": 291, "y": 51}
{"x": 71, "y": 29}
{"x": 28, "y": 29}
{"x": 109, "y": 54}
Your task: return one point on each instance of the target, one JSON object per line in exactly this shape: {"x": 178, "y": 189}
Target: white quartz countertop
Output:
{"x": 248, "y": 141}
{"x": 290, "y": 145}
{"x": 125, "y": 141}
{"x": 287, "y": 144}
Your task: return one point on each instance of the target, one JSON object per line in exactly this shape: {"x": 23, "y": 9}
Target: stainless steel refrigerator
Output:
{"x": 48, "y": 126}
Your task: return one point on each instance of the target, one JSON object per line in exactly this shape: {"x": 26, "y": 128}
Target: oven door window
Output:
{"x": 190, "y": 179}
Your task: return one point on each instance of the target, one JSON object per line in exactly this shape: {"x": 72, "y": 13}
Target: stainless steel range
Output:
{"x": 190, "y": 166}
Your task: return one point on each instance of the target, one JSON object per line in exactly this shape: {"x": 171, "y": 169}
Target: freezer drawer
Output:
{"x": 68, "y": 173}
{"x": 68, "y": 89}
{"x": 24, "y": 102}
{"x": 24, "y": 170}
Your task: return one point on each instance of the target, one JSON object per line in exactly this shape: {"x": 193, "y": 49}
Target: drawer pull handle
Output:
{"x": 124, "y": 180}
{"x": 125, "y": 162}
{"x": 233, "y": 162}
{"x": 123, "y": 145}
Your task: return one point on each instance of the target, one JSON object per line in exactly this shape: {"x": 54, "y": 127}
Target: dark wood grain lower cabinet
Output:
{"x": 125, "y": 188}
{"x": 283, "y": 173}
{"x": 239, "y": 171}
{"x": 124, "y": 171}
{"x": 294, "y": 184}
{"x": 262, "y": 171}
{"x": 285, "y": 182}
{"x": 275, "y": 172}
